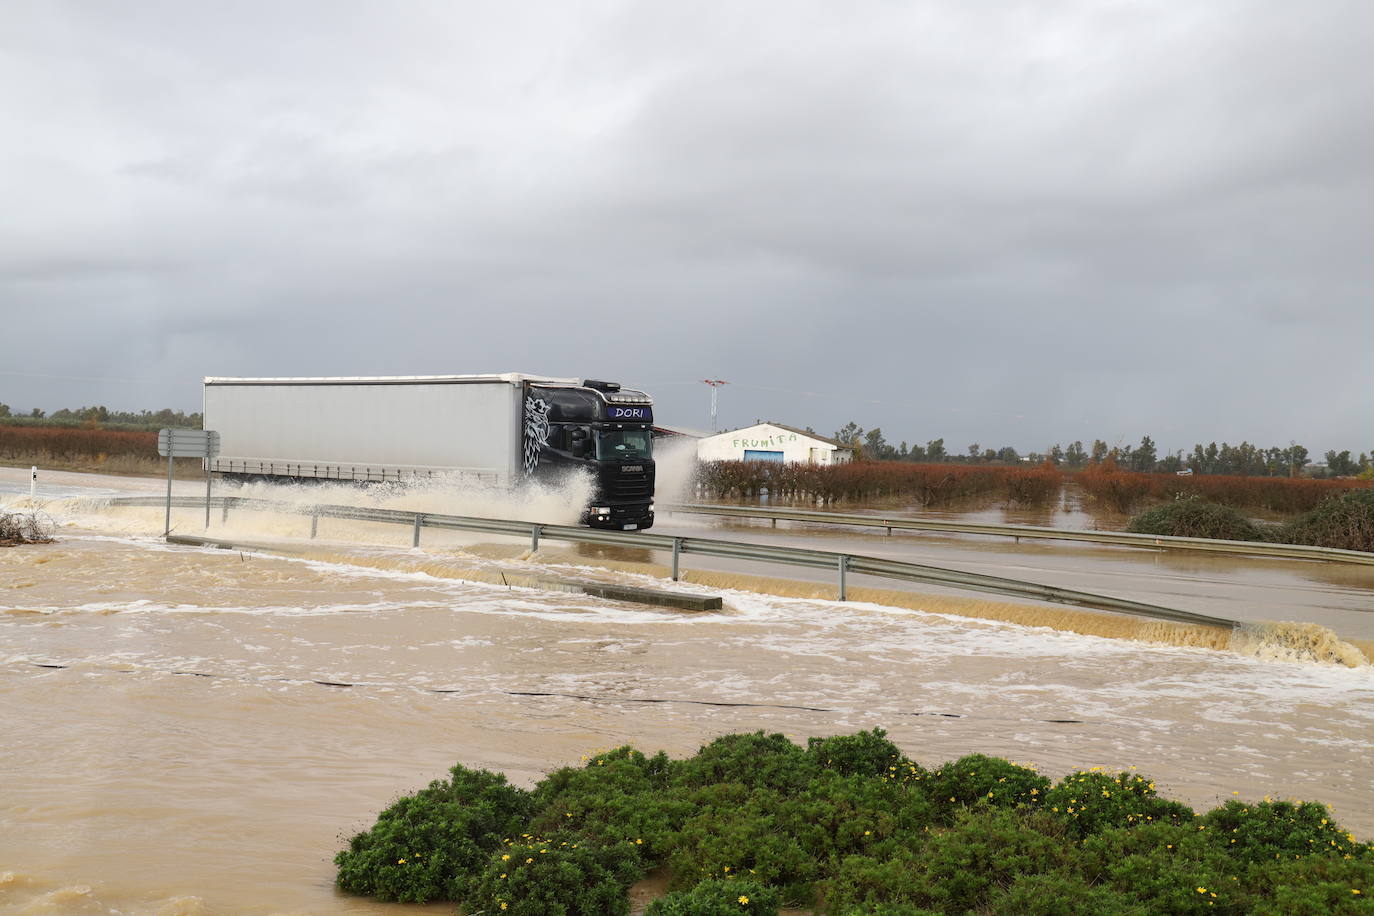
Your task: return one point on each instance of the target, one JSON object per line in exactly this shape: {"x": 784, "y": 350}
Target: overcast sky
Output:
{"x": 1011, "y": 223}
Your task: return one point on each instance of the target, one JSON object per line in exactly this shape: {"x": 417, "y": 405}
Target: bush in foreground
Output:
{"x": 1191, "y": 517}
{"x": 430, "y": 845}
{"x": 753, "y": 822}
{"x": 1345, "y": 521}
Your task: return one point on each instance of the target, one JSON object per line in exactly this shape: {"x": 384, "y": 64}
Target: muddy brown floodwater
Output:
{"x": 191, "y": 731}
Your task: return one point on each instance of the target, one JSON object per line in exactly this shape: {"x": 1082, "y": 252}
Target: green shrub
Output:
{"x": 867, "y": 753}
{"x": 955, "y": 871}
{"x": 1327, "y": 885}
{"x": 1345, "y": 521}
{"x": 1264, "y": 832}
{"x": 1191, "y": 517}
{"x": 618, "y": 796}
{"x": 1059, "y": 894}
{"x": 755, "y": 760}
{"x": 852, "y": 821}
{"x": 1093, "y": 801}
{"x": 429, "y": 845}
{"x": 836, "y": 816}
{"x": 558, "y": 876}
{"x": 1161, "y": 867}
{"x": 719, "y": 897}
{"x": 742, "y": 831}
{"x": 977, "y": 779}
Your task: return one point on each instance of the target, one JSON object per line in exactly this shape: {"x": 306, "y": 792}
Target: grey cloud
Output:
{"x": 1004, "y": 223}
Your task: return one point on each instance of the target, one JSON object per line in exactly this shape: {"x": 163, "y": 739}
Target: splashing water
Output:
{"x": 1296, "y": 642}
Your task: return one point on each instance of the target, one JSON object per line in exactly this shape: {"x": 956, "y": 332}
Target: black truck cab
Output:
{"x": 598, "y": 427}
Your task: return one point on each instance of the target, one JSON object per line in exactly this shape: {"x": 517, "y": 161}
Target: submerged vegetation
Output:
{"x": 25, "y": 528}
{"x": 1191, "y": 517}
{"x": 1124, "y": 490}
{"x": 847, "y": 825}
{"x": 1335, "y": 513}
{"x": 1344, "y": 521}
{"x": 858, "y": 481}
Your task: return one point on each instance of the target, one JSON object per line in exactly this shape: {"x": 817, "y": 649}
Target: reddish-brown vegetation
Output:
{"x": 87, "y": 449}
{"x": 857, "y": 481}
{"x": 67, "y": 444}
{"x": 1124, "y": 490}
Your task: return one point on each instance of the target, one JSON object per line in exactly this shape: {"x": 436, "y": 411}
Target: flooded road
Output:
{"x": 193, "y": 731}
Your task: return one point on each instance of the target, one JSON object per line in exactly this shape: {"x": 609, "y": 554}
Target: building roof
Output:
{"x": 792, "y": 429}
{"x": 680, "y": 431}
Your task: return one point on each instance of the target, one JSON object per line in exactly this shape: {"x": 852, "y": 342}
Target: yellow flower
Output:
{"x": 1202, "y": 890}
{"x": 400, "y": 861}
{"x": 743, "y": 899}
{"x": 506, "y": 857}
{"x": 503, "y": 906}
{"x": 528, "y": 861}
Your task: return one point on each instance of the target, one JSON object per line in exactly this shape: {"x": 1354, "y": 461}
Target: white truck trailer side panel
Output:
{"x": 471, "y": 425}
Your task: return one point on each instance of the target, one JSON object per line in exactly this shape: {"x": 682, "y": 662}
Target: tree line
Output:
{"x": 1243, "y": 460}
{"x": 102, "y": 416}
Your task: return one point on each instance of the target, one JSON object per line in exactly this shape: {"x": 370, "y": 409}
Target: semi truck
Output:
{"x": 504, "y": 429}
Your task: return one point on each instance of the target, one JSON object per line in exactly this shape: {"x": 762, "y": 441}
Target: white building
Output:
{"x": 772, "y": 442}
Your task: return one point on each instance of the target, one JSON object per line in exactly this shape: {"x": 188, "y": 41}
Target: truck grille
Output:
{"x": 632, "y": 486}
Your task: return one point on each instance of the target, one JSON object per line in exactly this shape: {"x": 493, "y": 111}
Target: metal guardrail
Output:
{"x": 1120, "y": 538}
{"x": 842, "y": 564}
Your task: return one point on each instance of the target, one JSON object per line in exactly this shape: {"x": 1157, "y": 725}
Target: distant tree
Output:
{"x": 1171, "y": 464}
{"x": 973, "y": 450}
{"x": 810, "y": 432}
{"x": 4, "y": 410}
{"x": 1075, "y": 456}
{"x": 876, "y": 447}
{"x": 935, "y": 450}
{"x": 1340, "y": 464}
{"x": 849, "y": 434}
{"x": 1274, "y": 461}
{"x": 917, "y": 454}
{"x": 1296, "y": 459}
{"x": 36, "y": 414}
{"x": 1007, "y": 455}
{"x": 1099, "y": 450}
{"x": 1144, "y": 458}
{"x": 1056, "y": 455}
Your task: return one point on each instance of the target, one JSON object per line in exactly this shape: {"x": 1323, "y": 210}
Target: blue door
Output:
{"x": 752, "y": 454}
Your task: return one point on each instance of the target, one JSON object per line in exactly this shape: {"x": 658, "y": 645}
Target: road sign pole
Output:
{"x": 167, "y": 529}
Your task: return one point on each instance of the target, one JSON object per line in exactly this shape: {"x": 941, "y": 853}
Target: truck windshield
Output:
{"x": 616, "y": 444}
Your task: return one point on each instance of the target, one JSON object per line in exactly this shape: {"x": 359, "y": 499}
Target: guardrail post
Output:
{"x": 314, "y": 522}
{"x": 534, "y": 538}
{"x": 844, "y": 568}
{"x": 677, "y": 552}
{"x": 415, "y": 532}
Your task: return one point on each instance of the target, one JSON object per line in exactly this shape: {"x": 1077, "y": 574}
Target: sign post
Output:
{"x": 187, "y": 443}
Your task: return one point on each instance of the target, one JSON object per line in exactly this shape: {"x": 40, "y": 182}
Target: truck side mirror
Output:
{"x": 579, "y": 443}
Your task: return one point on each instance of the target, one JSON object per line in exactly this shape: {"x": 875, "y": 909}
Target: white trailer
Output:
{"x": 502, "y": 429}
{"x": 371, "y": 428}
